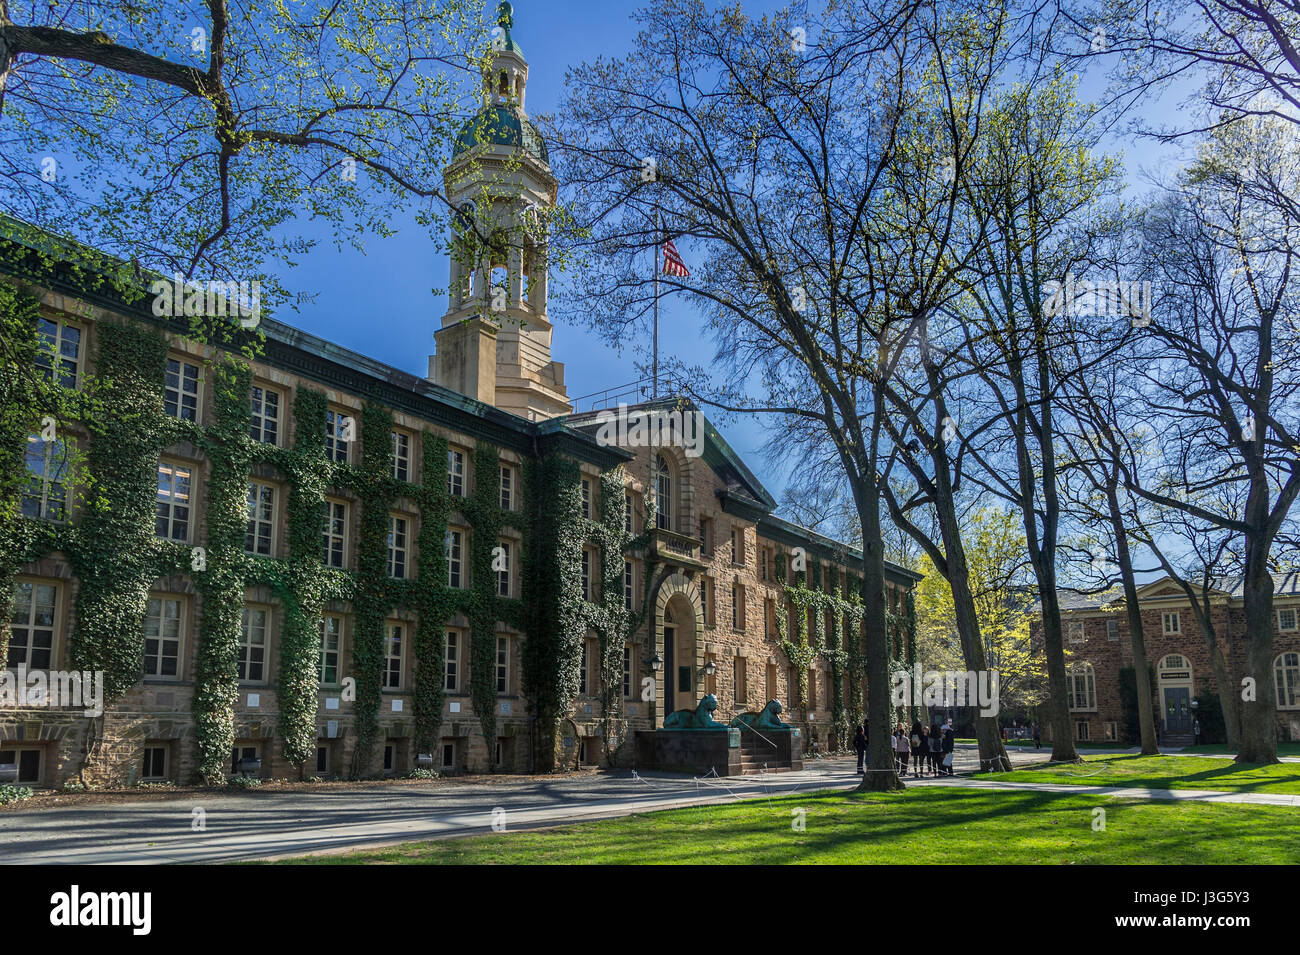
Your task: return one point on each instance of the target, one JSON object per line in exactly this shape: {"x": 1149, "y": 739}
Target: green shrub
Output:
{"x": 12, "y": 794}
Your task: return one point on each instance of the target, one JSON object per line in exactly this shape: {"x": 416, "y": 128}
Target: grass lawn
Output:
{"x": 1283, "y": 749}
{"x": 1048, "y": 746}
{"x": 920, "y": 826}
{"x": 1164, "y": 772}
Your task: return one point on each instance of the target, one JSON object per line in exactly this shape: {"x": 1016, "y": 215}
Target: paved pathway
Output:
{"x": 256, "y": 824}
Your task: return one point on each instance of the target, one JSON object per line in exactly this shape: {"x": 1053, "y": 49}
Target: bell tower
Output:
{"x": 495, "y": 341}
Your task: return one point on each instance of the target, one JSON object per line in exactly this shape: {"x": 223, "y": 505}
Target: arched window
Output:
{"x": 1286, "y": 674}
{"x": 1174, "y": 661}
{"x": 663, "y": 493}
{"x": 1082, "y": 685}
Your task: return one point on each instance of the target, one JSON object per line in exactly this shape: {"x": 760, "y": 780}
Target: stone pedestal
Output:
{"x": 690, "y": 751}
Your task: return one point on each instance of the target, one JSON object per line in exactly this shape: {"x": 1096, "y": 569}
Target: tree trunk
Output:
{"x": 880, "y": 775}
{"x": 1058, "y": 711}
{"x": 1146, "y": 714}
{"x": 1258, "y": 717}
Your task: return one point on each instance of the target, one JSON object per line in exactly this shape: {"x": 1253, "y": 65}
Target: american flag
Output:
{"x": 673, "y": 264}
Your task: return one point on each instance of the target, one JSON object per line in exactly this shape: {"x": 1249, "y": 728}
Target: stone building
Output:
{"x": 1099, "y": 647}
{"x": 309, "y": 563}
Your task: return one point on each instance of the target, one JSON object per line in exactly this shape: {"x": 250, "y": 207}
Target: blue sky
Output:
{"x": 380, "y": 303}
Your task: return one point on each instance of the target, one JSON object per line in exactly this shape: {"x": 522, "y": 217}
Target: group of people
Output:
{"x": 929, "y": 752}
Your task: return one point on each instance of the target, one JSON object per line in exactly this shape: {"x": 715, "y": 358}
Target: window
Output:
{"x": 261, "y": 518}
{"x": 450, "y": 659}
{"x": 155, "y": 763}
{"x": 1082, "y": 686}
{"x": 338, "y": 435}
{"x": 58, "y": 357}
{"x": 1112, "y": 630}
{"x": 1172, "y": 623}
{"x": 334, "y": 532}
{"x": 181, "y": 391}
{"x": 627, "y": 672}
{"x": 331, "y": 630}
{"x": 448, "y": 755}
{"x": 397, "y": 547}
{"x": 252, "y": 646}
{"x": 628, "y": 574}
{"x": 503, "y": 575}
{"x": 1286, "y": 673}
{"x": 389, "y": 759}
{"x": 264, "y": 427}
{"x": 322, "y": 760}
{"x": 704, "y": 536}
{"x": 738, "y": 545}
{"x": 240, "y": 753}
{"x": 811, "y": 702}
{"x": 46, "y": 495}
{"x": 31, "y": 631}
{"x": 663, "y": 494}
{"x": 455, "y": 472}
{"x": 1110, "y": 730}
{"x": 172, "y": 519}
{"x": 503, "y": 664}
{"x": 454, "y": 539}
{"x": 586, "y": 574}
{"x": 401, "y": 442}
{"x": 1286, "y": 619}
{"x": 393, "y": 634}
{"x": 737, "y": 607}
{"x": 627, "y": 513}
{"x": 762, "y": 563}
{"x": 739, "y": 677}
{"x": 586, "y": 498}
{"x": 507, "y": 488}
{"x": 28, "y": 761}
{"x": 706, "y": 600}
{"x": 162, "y": 638}
{"x": 769, "y": 615}
{"x": 1076, "y": 631}
{"x": 1082, "y": 732}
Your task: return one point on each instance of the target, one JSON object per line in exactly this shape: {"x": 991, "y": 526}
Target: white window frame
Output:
{"x": 455, "y": 553}
{"x": 48, "y": 490}
{"x": 338, "y": 449}
{"x": 501, "y": 672}
{"x": 400, "y": 443}
{"x": 183, "y": 363}
{"x": 507, "y": 487}
{"x": 451, "y": 644}
{"x": 1171, "y": 616}
{"x": 1286, "y": 680}
{"x": 456, "y": 484}
{"x": 257, "y": 425}
{"x": 323, "y": 645}
{"x": 585, "y": 575}
{"x": 394, "y": 632}
{"x": 16, "y": 752}
{"x": 1295, "y": 619}
{"x": 1076, "y": 632}
{"x": 629, "y": 579}
{"x": 334, "y": 533}
{"x": 164, "y": 602}
{"x": 165, "y": 508}
{"x": 254, "y": 520}
{"x": 1112, "y": 630}
{"x": 247, "y": 645}
{"x": 586, "y": 498}
{"x": 30, "y": 628}
{"x": 1085, "y": 670}
{"x": 504, "y": 580}
{"x": 399, "y": 546}
{"x": 147, "y": 776}
{"x": 51, "y": 351}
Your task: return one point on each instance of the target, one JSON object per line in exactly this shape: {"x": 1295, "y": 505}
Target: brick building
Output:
{"x": 456, "y": 452}
{"x": 1098, "y": 647}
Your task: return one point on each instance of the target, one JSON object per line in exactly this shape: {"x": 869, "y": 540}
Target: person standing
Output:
{"x": 917, "y": 740}
{"x": 948, "y": 757}
{"x": 936, "y": 749}
{"x": 860, "y": 744}
{"x": 1038, "y": 737}
{"x": 901, "y": 749}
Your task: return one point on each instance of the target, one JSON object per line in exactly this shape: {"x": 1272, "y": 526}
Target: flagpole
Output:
{"x": 655, "y": 367}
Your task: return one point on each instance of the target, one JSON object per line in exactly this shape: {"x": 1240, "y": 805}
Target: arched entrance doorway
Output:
{"x": 679, "y": 622}
{"x": 1174, "y": 678}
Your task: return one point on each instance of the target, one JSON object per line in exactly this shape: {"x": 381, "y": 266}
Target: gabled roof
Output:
{"x": 1284, "y": 585}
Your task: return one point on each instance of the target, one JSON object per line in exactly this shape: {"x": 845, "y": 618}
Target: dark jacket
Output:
{"x": 947, "y": 741}
{"x": 859, "y": 740}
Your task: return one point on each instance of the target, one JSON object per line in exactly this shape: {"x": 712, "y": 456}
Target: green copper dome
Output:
{"x": 501, "y": 126}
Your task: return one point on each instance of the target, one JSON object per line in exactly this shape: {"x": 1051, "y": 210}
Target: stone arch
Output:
{"x": 677, "y": 592}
